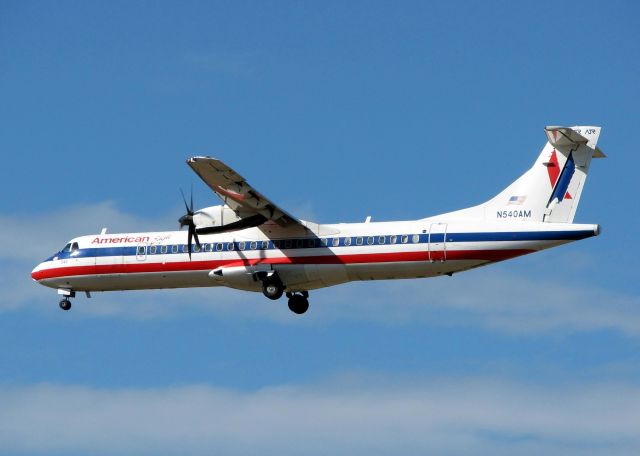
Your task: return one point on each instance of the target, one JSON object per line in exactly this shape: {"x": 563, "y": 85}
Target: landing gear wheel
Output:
{"x": 65, "y": 304}
{"x": 298, "y": 304}
{"x": 272, "y": 290}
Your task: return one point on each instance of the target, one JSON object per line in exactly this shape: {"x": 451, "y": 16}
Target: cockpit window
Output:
{"x": 74, "y": 247}
{"x": 67, "y": 248}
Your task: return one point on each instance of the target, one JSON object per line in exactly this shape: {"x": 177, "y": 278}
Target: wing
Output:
{"x": 236, "y": 193}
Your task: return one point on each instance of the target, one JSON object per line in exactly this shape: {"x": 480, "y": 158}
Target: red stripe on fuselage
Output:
{"x": 180, "y": 266}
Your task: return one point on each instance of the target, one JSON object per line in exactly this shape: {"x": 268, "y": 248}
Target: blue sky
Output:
{"x": 335, "y": 110}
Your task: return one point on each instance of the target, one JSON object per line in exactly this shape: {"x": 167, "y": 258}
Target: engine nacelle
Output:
{"x": 215, "y": 216}
{"x": 239, "y": 277}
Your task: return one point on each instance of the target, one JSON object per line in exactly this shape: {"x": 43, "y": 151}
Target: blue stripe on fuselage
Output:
{"x": 423, "y": 239}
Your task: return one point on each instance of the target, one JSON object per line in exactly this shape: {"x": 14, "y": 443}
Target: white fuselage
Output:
{"x": 333, "y": 254}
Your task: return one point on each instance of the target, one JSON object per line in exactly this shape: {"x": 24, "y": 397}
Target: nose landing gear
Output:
{"x": 65, "y": 304}
{"x": 298, "y": 302}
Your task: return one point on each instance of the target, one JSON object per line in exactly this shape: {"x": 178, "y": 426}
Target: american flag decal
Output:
{"x": 517, "y": 199}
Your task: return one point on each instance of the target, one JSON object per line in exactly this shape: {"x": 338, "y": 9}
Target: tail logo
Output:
{"x": 560, "y": 180}
{"x": 553, "y": 168}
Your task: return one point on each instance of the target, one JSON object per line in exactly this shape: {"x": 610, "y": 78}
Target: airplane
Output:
{"x": 249, "y": 243}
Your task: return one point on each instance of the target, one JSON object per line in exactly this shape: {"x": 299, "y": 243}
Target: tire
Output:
{"x": 298, "y": 304}
{"x": 272, "y": 290}
{"x": 65, "y": 304}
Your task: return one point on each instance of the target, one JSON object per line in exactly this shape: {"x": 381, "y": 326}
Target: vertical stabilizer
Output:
{"x": 577, "y": 146}
{"x": 550, "y": 190}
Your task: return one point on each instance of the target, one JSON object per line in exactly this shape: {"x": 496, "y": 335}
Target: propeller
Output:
{"x": 187, "y": 220}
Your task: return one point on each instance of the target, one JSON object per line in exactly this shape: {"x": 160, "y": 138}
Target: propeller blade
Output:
{"x": 191, "y": 196}
{"x": 187, "y": 220}
{"x": 184, "y": 199}
{"x": 189, "y": 235}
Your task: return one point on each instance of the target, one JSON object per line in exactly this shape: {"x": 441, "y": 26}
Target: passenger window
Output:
{"x": 347, "y": 241}
{"x": 324, "y": 241}
{"x": 381, "y": 239}
{"x": 336, "y": 242}
{"x": 196, "y": 247}
{"x": 405, "y": 238}
{"x": 185, "y": 249}
{"x": 141, "y": 250}
{"x": 359, "y": 240}
{"x": 265, "y": 245}
{"x": 416, "y": 238}
{"x": 152, "y": 250}
{"x": 230, "y": 246}
{"x": 370, "y": 240}
{"x": 163, "y": 249}
{"x": 311, "y": 243}
{"x": 208, "y": 247}
{"x": 174, "y": 249}
{"x": 288, "y": 243}
{"x": 300, "y": 243}
{"x": 219, "y": 246}
{"x": 241, "y": 245}
{"x": 394, "y": 239}
{"x": 254, "y": 245}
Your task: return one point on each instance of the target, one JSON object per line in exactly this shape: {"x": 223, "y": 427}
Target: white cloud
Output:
{"x": 34, "y": 237}
{"x": 494, "y": 298}
{"x": 447, "y": 416}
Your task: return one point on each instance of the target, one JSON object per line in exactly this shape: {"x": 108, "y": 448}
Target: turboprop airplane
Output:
{"x": 249, "y": 243}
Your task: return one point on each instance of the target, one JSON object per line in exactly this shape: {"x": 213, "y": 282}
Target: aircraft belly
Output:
{"x": 409, "y": 270}
{"x": 140, "y": 281}
{"x": 311, "y": 276}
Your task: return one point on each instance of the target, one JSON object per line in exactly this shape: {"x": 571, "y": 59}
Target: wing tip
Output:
{"x": 200, "y": 157}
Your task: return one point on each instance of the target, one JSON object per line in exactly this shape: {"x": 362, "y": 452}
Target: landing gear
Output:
{"x": 272, "y": 289}
{"x": 298, "y": 302}
{"x": 66, "y": 293}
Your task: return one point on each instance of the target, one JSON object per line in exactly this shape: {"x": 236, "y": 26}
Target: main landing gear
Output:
{"x": 273, "y": 288}
{"x": 298, "y": 302}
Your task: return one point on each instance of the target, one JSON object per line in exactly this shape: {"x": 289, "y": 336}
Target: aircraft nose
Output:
{"x": 35, "y": 274}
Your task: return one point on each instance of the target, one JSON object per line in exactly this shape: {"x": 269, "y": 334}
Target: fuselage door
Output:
{"x": 437, "y": 244}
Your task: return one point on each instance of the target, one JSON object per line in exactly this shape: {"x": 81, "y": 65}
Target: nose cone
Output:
{"x": 35, "y": 273}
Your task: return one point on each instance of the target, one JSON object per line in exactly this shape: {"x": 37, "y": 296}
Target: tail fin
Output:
{"x": 577, "y": 146}
{"x": 550, "y": 191}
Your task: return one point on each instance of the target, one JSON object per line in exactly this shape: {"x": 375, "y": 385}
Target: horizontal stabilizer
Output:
{"x": 561, "y": 137}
